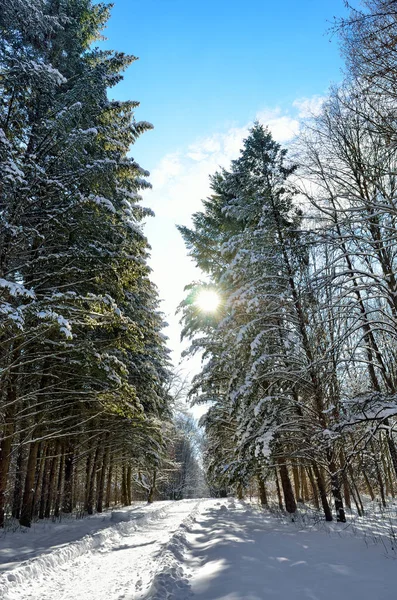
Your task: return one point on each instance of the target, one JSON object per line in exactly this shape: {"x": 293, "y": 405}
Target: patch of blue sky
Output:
{"x": 205, "y": 66}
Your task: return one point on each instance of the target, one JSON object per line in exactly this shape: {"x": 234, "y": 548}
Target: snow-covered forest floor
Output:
{"x": 202, "y": 549}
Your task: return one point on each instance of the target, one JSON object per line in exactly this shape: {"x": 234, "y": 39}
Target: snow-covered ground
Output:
{"x": 199, "y": 549}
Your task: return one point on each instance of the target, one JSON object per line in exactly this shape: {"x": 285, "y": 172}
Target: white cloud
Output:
{"x": 168, "y": 169}
{"x": 282, "y": 126}
{"x": 197, "y": 155}
{"x": 308, "y": 107}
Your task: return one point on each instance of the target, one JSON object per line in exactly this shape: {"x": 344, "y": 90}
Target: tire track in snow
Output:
{"x": 171, "y": 580}
{"x": 117, "y": 563}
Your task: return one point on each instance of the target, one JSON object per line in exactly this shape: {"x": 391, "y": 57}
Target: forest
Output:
{"x": 298, "y": 243}
{"x": 86, "y": 402}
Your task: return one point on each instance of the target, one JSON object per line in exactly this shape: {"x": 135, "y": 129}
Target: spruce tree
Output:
{"x": 82, "y": 351}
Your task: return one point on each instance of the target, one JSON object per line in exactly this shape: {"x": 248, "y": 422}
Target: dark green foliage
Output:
{"x": 81, "y": 346}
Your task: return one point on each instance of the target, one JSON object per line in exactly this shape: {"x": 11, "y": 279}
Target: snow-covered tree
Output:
{"x": 82, "y": 350}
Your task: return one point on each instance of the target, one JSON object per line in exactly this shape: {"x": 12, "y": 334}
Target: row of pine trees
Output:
{"x": 84, "y": 398}
{"x": 300, "y": 360}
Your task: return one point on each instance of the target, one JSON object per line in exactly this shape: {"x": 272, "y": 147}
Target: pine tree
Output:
{"x": 266, "y": 351}
{"x": 82, "y": 349}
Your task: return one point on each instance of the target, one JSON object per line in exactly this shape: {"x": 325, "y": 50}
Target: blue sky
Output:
{"x": 206, "y": 71}
{"x": 205, "y": 65}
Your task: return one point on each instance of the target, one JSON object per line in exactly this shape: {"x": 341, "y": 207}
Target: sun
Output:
{"x": 208, "y": 301}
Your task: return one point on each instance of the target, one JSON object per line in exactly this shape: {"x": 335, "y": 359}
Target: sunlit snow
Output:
{"x": 199, "y": 549}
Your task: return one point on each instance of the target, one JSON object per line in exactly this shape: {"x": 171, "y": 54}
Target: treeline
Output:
{"x": 84, "y": 400}
{"x": 300, "y": 359}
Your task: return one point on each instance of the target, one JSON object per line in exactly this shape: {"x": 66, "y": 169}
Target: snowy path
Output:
{"x": 117, "y": 563}
{"x": 210, "y": 550}
{"x": 46, "y": 536}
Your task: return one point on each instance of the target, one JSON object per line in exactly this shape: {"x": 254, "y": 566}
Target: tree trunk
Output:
{"x": 28, "y": 494}
{"x": 44, "y": 475}
{"x": 262, "y": 491}
{"x": 314, "y": 488}
{"x": 101, "y": 486}
{"x": 387, "y": 470}
{"x": 356, "y": 493}
{"x": 124, "y": 495}
{"x": 67, "y": 506}
{"x": 91, "y": 487}
{"x": 280, "y": 500}
{"x": 290, "y": 504}
{"x": 297, "y": 483}
{"x": 391, "y": 446}
{"x": 38, "y": 478}
{"x": 129, "y": 485}
{"x": 336, "y": 492}
{"x": 152, "y": 488}
{"x": 18, "y": 483}
{"x": 240, "y": 492}
{"x": 52, "y": 482}
{"x": 345, "y": 482}
{"x": 369, "y": 486}
{"x": 116, "y": 486}
{"x": 353, "y": 493}
{"x": 88, "y": 467}
{"x": 305, "y": 489}
{"x": 322, "y": 492}
{"x": 58, "y": 498}
{"x": 378, "y": 476}
{"x": 6, "y": 444}
{"x": 109, "y": 484}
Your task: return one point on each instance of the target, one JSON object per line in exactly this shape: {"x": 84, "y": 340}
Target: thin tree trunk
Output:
{"x": 28, "y": 494}
{"x": 109, "y": 484}
{"x": 314, "y": 487}
{"x": 386, "y": 468}
{"x": 345, "y": 482}
{"x": 280, "y": 500}
{"x": 45, "y": 477}
{"x": 336, "y": 492}
{"x": 297, "y": 483}
{"x": 91, "y": 488}
{"x": 129, "y": 484}
{"x": 240, "y": 492}
{"x": 124, "y": 495}
{"x": 392, "y": 447}
{"x": 18, "y": 483}
{"x": 353, "y": 493}
{"x": 88, "y": 468}
{"x": 290, "y": 504}
{"x": 52, "y": 482}
{"x": 38, "y": 479}
{"x": 322, "y": 491}
{"x": 101, "y": 486}
{"x": 59, "y": 495}
{"x": 357, "y": 497}
{"x": 378, "y": 476}
{"x": 116, "y": 486}
{"x": 152, "y": 488}
{"x": 6, "y": 443}
{"x": 67, "y": 505}
{"x": 262, "y": 491}
{"x": 369, "y": 486}
{"x": 305, "y": 489}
